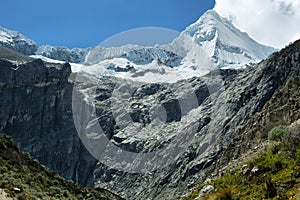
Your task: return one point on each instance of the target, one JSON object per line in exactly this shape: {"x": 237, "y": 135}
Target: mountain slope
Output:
{"x": 225, "y": 102}
{"x": 251, "y": 142}
{"x": 282, "y": 109}
{"x": 17, "y": 42}
{"x": 25, "y": 178}
{"x": 210, "y": 110}
{"x": 268, "y": 172}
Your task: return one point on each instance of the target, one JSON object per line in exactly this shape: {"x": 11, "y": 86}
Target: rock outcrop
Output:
{"x": 36, "y": 111}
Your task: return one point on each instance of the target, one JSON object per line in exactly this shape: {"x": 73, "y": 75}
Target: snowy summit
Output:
{"x": 227, "y": 46}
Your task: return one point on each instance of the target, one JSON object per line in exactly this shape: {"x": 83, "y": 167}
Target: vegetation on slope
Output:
{"x": 24, "y": 178}
{"x": 273, "y": 173}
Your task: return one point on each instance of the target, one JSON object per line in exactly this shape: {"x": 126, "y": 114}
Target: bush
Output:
{"x": 277, "y": 133}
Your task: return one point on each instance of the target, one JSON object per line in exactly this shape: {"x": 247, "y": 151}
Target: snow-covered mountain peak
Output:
{"x": 211, "y": 25}
{"x": 205, "y": 26}
{"x": 209, "y": 43}
{"x": 226, "y": 45}
{"x": 16, "y": 41}
{"x": 8, "y": 36}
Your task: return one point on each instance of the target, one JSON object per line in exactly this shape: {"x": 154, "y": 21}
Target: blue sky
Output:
{"x": 84, "y": 23}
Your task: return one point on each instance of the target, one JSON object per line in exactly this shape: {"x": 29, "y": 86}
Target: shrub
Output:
{"x": 277, "y": 133}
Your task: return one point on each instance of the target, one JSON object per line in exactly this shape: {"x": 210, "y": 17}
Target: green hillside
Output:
{"x": 21, "y": 177}
{"x": 271, "y": 173}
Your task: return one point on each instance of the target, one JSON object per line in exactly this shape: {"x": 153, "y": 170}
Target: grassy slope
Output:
{"x": 278, "y": 175}
{"x": 19, "y": 170}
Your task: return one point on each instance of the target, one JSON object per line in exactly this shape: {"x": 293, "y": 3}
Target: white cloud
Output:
{"x": 271, "y": 22}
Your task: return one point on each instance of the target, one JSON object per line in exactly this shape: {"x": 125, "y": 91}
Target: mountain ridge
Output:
{"x": 17, "y": 42}
{"x": 224, "y": 46}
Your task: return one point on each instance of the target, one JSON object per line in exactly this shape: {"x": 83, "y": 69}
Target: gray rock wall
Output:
{"x": 36, "y": 111}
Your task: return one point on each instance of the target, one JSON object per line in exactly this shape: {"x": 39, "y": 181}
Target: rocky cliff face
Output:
{"x": 282, "y": 109}
{"x": 226, "y": 101}
{"x": 188, "y": 125}
{"x": 36, "y": 111}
